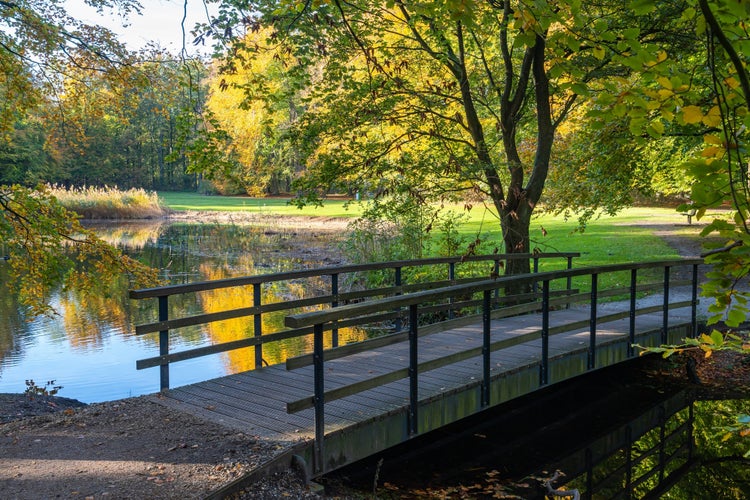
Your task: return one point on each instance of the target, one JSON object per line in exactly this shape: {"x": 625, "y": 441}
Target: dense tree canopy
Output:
{"x": 43, "y": 53}
{"x": 463, "y": 101}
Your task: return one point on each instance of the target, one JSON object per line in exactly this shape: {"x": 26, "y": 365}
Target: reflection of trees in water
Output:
{"x": 686, "y": 455}
{"x": 721, "y": 465}
{"x": 185, "y": 253}
{"x": 241, "y": 328}
{"x": 131, "y": 236}
{"x": 13, "y": 323}
{"x": 87, "y": 314}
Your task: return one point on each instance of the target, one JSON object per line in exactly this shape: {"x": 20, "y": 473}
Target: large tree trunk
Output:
{"x": 516, "y": 239}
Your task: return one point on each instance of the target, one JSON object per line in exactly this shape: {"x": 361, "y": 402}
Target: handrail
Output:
{"x": 319, "y": 319}
{"x": 388, "y": 303}
{"x": 165, "y": 324}
{"x": 200, "y": 286}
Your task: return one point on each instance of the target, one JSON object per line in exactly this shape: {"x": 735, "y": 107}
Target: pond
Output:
{"x": 90, "y": 348}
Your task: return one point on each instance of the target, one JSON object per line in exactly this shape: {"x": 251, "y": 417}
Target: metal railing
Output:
{"x": 321, "y": 320}
{"x": 336, "y": 298}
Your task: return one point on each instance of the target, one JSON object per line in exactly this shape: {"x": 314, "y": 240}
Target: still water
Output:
{"x": 90, "y": 348}
{"x": 620, "y": 432}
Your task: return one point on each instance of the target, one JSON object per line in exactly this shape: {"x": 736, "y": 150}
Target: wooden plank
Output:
{"x": 277, "y": 409}
{"x": 216, "y": 401}
{"x": 380, "y": 398}
{"x": 204, "y": 408}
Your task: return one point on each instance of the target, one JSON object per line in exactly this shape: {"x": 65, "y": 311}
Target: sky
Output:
{"x": 159, "y": 20}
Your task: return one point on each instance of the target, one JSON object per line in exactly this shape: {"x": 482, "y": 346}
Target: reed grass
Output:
{"x": 106, "y": 202}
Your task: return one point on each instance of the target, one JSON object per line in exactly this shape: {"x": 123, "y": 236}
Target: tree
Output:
{"x": 715, "y": 103}
{"x": 705, "y": 92}
{"x": 256, "y": 100}
{"x": 439, "y": 100}
{"x": 39, "y": 43}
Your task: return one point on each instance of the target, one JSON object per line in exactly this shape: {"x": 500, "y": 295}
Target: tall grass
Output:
{"x": 110, "y": 202}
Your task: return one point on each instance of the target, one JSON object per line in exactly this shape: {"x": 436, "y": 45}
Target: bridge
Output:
{"x": 446, "y": 348}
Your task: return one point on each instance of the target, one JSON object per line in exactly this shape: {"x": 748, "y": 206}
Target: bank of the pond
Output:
{"x": 132, "y": 448}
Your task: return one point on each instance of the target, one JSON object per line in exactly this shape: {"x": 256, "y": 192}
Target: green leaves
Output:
{"x": 642, "y": 7}
{"x": 708, "y": 343}
{"x": 46, "y": 242}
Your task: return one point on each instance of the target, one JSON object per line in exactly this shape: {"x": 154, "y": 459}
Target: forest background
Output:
{"x": 513, "y": 106}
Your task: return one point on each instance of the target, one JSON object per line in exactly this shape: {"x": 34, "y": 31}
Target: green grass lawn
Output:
{"x": 606, "y": 240}
{"x": 622, "y": 238}
{"x": 275, "y": 206}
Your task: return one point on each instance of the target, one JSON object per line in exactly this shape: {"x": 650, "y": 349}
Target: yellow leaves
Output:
{"x": 665, "y": 94}
{"x": 665, "y": 82}
{"x": 732, "y": 82}
{"x": 712, "y": 152}
{"x": 44, "y": 258}
{"x": 712, "y": 139}
{"x": 692, "y": 114}
{"x": 525, "y": 17}
{"x": 713, "y": 117}
{"x": 599, "y": 52}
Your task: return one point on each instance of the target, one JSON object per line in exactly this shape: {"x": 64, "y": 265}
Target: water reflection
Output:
{"x": 621, "y": 432}
{"x": 673, "y": 450}
{"x": 90, "y": 348}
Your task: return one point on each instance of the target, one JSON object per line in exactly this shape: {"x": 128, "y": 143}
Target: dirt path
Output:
{"x": 133, "y": 448}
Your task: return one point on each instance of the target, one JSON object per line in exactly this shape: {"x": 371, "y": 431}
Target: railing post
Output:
{"x": 451, "y": 278}
{"x": 544, "y": 368}
{"x": 398, "y": 324}
{"x": 536, "y": 270}
{"x": 486, "y": 340}
{"x": 589, "y": 466}
{"x": 164, "y": 343}
{"x": 335, "y": 303}
{"x": 258, "y": 325}
{"x": 593, "y": 321}
{"x": 496, "y": 272}
{"x": 319, "y": 397}
{"x": 569, "y": 280}
{"x": 694, "y": 307}
{"x": 413, "y": 371}
{"x": 665, "y": 308}
{"x": 631, "y": 328}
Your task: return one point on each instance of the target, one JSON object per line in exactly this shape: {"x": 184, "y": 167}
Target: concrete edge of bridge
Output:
{"x": 289, "y": 459}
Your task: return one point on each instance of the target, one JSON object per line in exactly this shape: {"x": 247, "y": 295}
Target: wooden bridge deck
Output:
{"x": 360, "y": 425}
